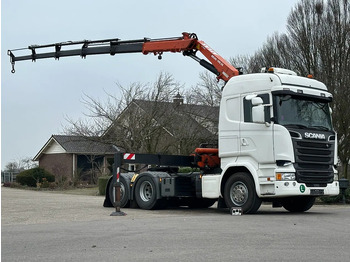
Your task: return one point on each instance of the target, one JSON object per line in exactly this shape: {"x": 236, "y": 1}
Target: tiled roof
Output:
{"x": 76, "y": 144}
{"x": 171, "y": 115}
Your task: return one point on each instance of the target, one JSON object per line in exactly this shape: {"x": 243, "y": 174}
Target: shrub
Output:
{"x": 15, "y": 185}
{"x": 45, "y": 183}
{"x": 12, "y": 185}
{"x": 52, "y": 185}
{"x": 336, "y": 199}
{"x": 102, "y": 183}
{"x": 33, "y": 176}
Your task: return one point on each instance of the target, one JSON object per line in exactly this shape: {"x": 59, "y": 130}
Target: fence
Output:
{"x": 8, "y": 177}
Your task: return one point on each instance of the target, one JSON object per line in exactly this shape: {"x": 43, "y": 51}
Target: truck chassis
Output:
{"x": 160, "y": 186}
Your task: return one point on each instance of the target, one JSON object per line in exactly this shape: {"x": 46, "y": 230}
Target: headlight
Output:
{"x": 285, "y": 176}
{"x": 336, "y": 177}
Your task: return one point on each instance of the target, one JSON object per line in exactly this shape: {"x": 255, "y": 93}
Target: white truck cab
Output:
{"x": 277, "y": 138}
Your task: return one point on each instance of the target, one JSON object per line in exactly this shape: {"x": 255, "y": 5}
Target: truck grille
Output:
{"x": 314, "y": 161}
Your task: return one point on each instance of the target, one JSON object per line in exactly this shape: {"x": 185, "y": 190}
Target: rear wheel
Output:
{"x": 124, "y": 193}
{"x": 240, "y": 192}
{"x": 146, "y": 194}
{"x": 298, "y": 204}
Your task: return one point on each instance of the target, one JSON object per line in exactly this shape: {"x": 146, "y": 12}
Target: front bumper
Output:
{"x": 293, "y": 188}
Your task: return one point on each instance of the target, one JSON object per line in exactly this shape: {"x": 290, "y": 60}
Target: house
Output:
{"x": 68, "y": 157}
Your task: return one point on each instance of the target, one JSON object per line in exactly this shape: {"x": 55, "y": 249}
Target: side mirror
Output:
{"x": 261, "y": 114}
{"x": 258, "y": 113}
{"x": 257, "y": 101}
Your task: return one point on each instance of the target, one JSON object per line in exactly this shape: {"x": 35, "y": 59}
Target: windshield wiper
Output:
{"x": 308, "y": 127}
{"x": 296, "y": 126}
{"x": 320, "y": 128}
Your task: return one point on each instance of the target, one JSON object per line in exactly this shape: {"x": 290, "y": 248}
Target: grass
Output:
{"x": 87, "y": 191}
{"x": 82, "y": 190}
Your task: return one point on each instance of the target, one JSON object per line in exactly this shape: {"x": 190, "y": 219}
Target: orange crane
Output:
{"x": 188, "y": 44}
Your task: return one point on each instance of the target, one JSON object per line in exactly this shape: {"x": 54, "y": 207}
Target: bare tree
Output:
{"x": 123, "y": 121}
{"x": 13, "y": 166}
{"x": 95, "y": 171}
{"x": 143, "y": 121}
{"x": 317, "y": 42}
{"x": 206, "y": 92}
{"x": 20, "y": 164}
{"x": 244, "y": 62}
{"x": 60, "y": 172}
{"x": 321, "y": 32}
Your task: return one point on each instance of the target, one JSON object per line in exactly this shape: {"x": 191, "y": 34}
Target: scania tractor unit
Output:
{"x": 276, "y": 142}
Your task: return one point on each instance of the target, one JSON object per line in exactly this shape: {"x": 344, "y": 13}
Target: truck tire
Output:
{"x": 239, "y": 191}
{"x": 146, "y": 194}
{"x": 124, "y": 193}
{"x": 298, "y": 204}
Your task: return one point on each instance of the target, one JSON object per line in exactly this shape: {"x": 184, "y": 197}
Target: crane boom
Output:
{"x": 188, "y": 44}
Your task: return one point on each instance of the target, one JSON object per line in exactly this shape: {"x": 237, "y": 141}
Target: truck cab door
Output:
{"x": 256, "y": 136}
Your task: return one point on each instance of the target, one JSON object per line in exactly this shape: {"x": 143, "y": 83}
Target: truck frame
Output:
{"x": 276, "y": 141}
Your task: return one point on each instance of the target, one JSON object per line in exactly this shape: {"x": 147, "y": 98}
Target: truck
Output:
{"x": 276, "y": 142}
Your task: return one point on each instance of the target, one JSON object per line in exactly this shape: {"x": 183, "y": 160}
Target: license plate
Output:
{"x": 317, "y": 192}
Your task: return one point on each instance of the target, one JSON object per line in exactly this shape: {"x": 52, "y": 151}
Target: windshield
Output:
{"x": 302, "y": 112}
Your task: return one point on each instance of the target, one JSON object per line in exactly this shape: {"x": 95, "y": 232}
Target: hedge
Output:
{"x": 33, "y": 176}
{"x": 102, "y": 183}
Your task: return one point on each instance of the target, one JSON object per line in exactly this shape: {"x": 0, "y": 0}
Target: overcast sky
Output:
{"x": 36, "y": 100}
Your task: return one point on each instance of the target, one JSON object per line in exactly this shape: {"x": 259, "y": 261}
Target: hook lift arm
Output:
{"x": 188, "y": 44}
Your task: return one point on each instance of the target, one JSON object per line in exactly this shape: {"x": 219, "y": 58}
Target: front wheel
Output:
{"x": 240, "y": 192}
{"x": 298, "y": 204}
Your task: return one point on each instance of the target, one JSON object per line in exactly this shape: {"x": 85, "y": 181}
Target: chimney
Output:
{"x": 178, "y": 99}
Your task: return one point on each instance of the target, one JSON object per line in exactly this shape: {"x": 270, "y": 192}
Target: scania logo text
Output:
{"x": 315, "y": 135}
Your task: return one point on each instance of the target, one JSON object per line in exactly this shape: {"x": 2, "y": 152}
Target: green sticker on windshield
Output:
{"x": 302, "y": 188}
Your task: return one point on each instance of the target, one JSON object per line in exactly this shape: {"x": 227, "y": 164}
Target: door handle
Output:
{"x": 244, "y": 142}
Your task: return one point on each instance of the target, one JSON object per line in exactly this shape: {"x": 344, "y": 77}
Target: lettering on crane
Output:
{"x": 209, "y": 48}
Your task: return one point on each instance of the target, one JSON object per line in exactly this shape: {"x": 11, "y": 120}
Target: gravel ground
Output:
{"x": 34, "y": 207}
{"x": 26, "y": 207}
{"x": 46, "y": 226}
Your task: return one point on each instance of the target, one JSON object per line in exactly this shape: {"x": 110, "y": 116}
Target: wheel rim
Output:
{"x": 146, "y": 191}
{"x": 239, "y": 193}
